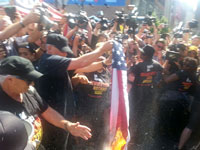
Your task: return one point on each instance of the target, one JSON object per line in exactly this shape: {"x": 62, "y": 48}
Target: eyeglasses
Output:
{"x": 29, "y": 82}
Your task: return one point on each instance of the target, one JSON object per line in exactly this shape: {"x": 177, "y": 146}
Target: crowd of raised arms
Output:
{"x": 53, "y": 72}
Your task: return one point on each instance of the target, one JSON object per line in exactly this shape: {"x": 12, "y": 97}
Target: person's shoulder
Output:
{"x": 155, "y": 62}
{"x": 181, "y": 73}
{"x": 54, "y": 57}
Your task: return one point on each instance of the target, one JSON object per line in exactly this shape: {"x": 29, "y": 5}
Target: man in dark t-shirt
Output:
{"x": 19, "y": 97}
{"x": 147, "y": 75}
{"x": 175, "y": 103}
{"x": 93, "y": 106}
{"x": 28, "y": 111}
{"x": 55, "y": 85}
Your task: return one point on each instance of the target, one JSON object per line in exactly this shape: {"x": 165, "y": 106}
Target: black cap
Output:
{"x": 22, "y": 67}
{"x": 59, "y": 41}
{"x": 13, "y": 135}
{"x": 148, "y": 50}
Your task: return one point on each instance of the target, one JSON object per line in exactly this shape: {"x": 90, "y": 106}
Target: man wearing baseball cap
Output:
{"x": 17, "y": 96}
{"x": 12, "y": 131}
{"x": 55, "y": 86}
{"x": 147, "y": 75}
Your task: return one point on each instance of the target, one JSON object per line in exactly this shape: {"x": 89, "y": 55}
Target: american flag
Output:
{"x": 25, "y": 6}
{"x": 119, "y": 113}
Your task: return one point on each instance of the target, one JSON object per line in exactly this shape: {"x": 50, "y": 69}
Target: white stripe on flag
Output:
{"x": 126, "y": 100}
{"x": 23, "y": 10}
{"x": 114, "y": 104}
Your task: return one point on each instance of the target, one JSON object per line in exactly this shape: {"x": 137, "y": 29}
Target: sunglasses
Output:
{"x": 29, "y": 82}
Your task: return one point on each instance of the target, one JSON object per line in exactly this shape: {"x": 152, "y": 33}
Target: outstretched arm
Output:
{"x": 95, "y": 66}
{"x": 88, "y": 58}
{"x": 58, "y": 120}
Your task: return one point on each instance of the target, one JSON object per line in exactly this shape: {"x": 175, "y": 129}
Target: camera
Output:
{"x": 103, "y": 21}
{"x": 72, "y": 20}
{"x": 83, "y": 35}
{"x": 99, "y": 18}
{"x": 174, "y": 52}
{"x": 132, "y": 19}
{"x": 120, "y": 17}
{"x": 104, "y": 24}
{"x": 77, "y": 20}
{"x": 44, "y": 17}
{"x": 129, "y": 19}
{"x": 178, "y": 35}
{"x": 193, "y": 24}
{"x": 10, "y": 11}
{"x": 149, "y": 20}
{"x": 172, "y": 56}
{"x": 82, "y": 20}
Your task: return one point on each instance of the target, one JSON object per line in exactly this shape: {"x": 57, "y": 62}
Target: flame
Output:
{"x": 119, "y": 141}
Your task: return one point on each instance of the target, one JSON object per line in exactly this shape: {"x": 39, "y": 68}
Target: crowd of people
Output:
{"x": 50, "y": 74}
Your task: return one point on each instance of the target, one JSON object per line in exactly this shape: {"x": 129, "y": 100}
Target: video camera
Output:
{"x": 77, "y": 20}
{"x": 149, "y": 20}
{"x": 174, "y": 52}
{"x": 44, "y": 17}
{"x": 103, "y": 21}
{"x": 193, "y": 24}
{"x": 83, "y": 35}
{"x": 99, "y": 18}
{"x": 172, "y": 56}
{"x": 132, "y": 19}
{"x": 180, "y": 30}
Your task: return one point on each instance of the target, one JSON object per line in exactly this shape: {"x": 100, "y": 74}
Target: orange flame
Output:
{"x": 119, "y": 141}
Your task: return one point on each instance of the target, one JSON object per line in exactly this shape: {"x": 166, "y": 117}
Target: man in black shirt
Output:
{"x": 55, "y": 85}
{"x": 142, "y": 95}
{"x": 93, "y": 103}
{"x": 175, "y": 102}
{"x": 18, "y": 97}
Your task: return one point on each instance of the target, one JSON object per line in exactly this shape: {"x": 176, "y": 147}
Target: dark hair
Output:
{"x": 102, "y": 35}
{"x": 32, "y": 47}
{"x": 191, "y": 63}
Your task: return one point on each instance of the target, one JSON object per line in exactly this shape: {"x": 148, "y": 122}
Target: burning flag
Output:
{"x": 119, "y": 113}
